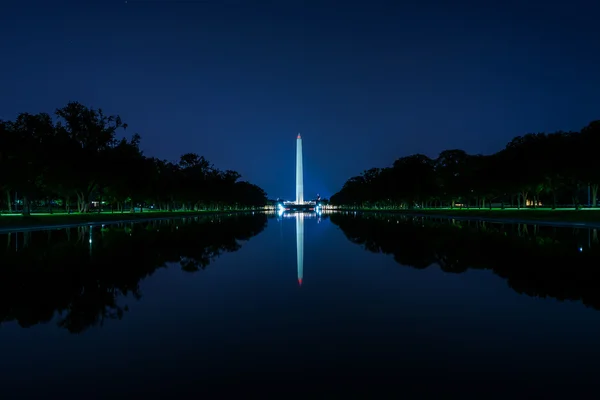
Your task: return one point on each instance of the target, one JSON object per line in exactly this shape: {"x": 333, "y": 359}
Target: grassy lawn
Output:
{"x": 47, "y": 219}
{"x": 540, "y": 214}
{"x": 589, "y": 215}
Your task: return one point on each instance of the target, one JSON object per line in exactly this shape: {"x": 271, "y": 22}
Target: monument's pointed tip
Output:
{"x": 299, "y": 137}
{"x": 299, "y": 281}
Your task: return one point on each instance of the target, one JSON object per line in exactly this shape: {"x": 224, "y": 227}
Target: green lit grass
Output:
{"x": 16, "y": 221}
{"x": 564, "y": 215}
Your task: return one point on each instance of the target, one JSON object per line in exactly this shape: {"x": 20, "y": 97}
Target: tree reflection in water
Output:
{"x": 82, "y": 275}
{"x": 539, "y": 261}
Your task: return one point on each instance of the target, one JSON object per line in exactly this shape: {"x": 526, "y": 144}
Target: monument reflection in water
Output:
{"x": 300, "y": 246}
{"x": 299, "y": 216}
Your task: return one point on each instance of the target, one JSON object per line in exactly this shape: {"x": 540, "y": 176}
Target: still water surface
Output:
{"x": 323, "y": 303}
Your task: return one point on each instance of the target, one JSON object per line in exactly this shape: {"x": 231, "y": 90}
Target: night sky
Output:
{"x": 364, "y": 82}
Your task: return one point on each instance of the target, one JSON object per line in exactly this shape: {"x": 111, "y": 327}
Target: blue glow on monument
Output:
{"x": 300, "y": 204}
{"x": 299, "y": 172}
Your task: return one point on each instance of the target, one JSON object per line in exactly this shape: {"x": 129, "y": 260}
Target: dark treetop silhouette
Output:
{"x": 79, "y": 158}
{"x": 537, "y": 261}
{"x": 554, "y": 168}
{"x": 83, "y": 276}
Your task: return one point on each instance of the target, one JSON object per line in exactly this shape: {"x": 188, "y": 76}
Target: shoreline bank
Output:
{"x": 583, "y": 218}
{"x": 35, "y": 222}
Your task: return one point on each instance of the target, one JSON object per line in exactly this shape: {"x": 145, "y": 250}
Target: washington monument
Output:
{"x": 299, "y": 175}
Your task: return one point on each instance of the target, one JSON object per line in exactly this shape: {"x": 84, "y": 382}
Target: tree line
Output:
{"x": 81, "y": 277}
{"x": 76, "y": 162}
{"x": 552, "y": 262}
{"x": 554, "y": 169}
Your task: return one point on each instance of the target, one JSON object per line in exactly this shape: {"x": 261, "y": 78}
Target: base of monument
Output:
{"x": 299, "y": 207}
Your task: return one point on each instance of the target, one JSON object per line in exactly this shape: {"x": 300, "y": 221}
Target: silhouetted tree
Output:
{"x": 60, "y": 274}
{"x": 537, "y": 167}
{"x": 537, "y": 261}
{"x": 80, "y": 158}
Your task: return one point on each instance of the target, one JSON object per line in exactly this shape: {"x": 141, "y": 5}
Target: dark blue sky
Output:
{"x": 365, "y": 82}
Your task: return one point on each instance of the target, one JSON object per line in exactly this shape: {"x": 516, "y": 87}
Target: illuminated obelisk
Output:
{"x": 300, "y": 246}
{"x": 299, "y": 176}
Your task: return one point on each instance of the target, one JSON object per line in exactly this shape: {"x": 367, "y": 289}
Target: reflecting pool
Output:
{"x": 300, "y": 303}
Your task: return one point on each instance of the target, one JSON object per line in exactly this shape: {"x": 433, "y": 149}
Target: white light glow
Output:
{"x": 299, "y": 172}
{"x": 300, "y": 247}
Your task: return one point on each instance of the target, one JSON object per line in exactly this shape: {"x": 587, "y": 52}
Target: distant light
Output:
{"x": 581, "y": 249}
